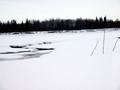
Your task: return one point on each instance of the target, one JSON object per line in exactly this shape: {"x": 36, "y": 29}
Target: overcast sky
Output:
{"x": 45, "y": 9}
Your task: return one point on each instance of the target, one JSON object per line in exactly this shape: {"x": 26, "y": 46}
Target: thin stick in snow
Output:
{"x": 115, "y": 44}
{"x": 94, "y": 48}
{"x": 104, "y": 41}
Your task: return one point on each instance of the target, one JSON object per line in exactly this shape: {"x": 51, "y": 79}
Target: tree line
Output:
{"x": 58, "y": 24}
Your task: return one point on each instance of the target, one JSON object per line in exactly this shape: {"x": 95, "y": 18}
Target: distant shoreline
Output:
{"x": 58, "y": 25}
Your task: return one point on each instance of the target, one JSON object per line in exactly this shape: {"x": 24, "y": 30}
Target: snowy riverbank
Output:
{"x": 66, "y": 64}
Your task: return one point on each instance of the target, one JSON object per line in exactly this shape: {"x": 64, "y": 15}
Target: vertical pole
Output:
{"x": 103, "y": 42}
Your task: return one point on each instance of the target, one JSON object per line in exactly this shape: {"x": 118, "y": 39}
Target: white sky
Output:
{"x": 45, "y": 9}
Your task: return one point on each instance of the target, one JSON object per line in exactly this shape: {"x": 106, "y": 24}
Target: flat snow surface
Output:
{"x": 60, "y": 61}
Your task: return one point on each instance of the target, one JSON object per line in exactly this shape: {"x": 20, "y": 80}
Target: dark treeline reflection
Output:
{"x": 58, "y": 24}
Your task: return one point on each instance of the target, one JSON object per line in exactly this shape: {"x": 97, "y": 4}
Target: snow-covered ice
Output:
{"x": 67, "y": 64}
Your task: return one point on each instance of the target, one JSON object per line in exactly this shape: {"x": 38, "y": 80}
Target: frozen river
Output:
{"x": 60, "y": 61}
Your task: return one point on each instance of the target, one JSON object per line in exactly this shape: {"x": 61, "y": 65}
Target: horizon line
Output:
{"x": 47, "y": 19}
